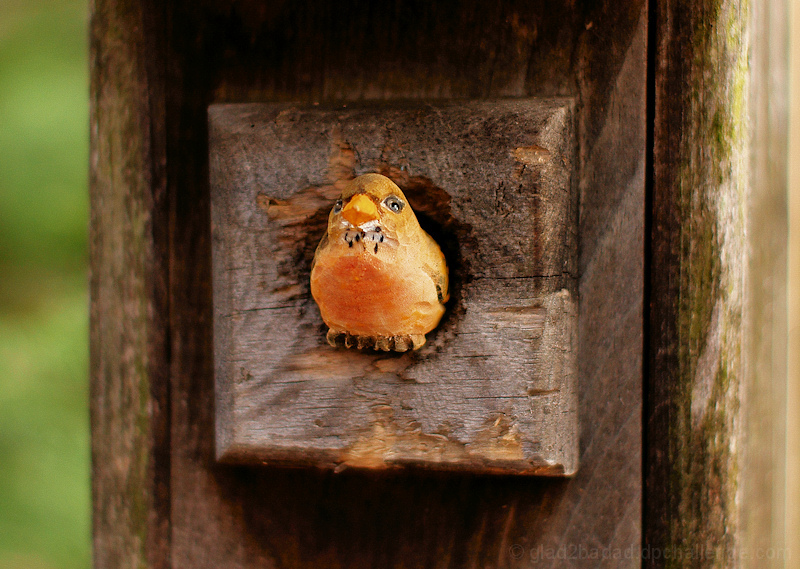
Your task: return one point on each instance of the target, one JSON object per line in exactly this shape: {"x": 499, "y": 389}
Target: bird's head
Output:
{"x": 371, "y": 209}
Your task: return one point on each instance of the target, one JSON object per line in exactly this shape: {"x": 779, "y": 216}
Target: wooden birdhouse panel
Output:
{"x": 494, "y": 388}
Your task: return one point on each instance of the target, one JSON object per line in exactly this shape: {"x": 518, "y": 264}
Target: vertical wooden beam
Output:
{"x": 357, "y": 49}
{"x": 161, "y": 499}
{"x": 715, "y": 341}
{"x": 129, "y": 397}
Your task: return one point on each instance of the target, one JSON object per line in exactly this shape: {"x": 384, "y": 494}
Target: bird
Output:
{"x": 380, "y": 281}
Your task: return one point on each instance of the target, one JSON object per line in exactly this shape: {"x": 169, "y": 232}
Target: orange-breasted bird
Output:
{"x": 379, "y": 279}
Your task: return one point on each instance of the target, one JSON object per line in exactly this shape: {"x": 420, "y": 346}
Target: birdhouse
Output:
{"x": 605, "y": 385}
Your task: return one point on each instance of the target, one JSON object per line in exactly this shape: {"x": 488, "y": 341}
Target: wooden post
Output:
{"x": 708, "y": 199}
{"x": 130, "y": 316}
{"x": 715, "y": 392}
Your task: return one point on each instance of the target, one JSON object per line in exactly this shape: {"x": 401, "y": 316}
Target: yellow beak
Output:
{"x": 360, "y": 210}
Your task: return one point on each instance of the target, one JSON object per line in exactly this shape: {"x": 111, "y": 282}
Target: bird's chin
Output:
{"x": 368, "y": 235}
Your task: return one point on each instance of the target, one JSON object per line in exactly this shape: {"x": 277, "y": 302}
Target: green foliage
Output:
{"x": 44, "y": 431}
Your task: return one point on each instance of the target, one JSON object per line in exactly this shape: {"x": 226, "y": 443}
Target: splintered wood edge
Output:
{"x": 332, "y": 460}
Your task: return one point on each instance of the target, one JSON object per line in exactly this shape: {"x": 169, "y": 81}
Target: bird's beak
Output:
{"x": 360, "y": 210}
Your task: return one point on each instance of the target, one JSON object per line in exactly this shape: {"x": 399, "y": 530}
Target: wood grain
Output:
{"x": 494, "y": 389}
{"x": 236, "y": 51}
{"x": 129, "y": 378}
{"x": 715, "y": 410}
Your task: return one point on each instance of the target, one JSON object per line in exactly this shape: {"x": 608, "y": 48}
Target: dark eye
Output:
{"x": 337, "y": 207}
{"x": 394, "y": 203}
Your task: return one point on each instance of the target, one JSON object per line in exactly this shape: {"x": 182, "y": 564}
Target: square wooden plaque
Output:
{"x": 494, "y": 389}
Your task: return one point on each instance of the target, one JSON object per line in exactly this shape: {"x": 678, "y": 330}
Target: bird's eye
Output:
{"x": 394, "y": 203}
{"x": 337, "y": 207}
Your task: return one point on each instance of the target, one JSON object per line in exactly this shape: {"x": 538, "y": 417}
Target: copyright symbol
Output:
{"x": 516, "y": 551}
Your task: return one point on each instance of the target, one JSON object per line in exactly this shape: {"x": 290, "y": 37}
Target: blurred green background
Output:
{"x": 44, "y": 425}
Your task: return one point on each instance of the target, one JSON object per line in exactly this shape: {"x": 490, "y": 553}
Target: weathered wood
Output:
{"x": 715, "y": 387}
{"x": 246, "y": 517}
{"x": 128, "y": 365}
{"x": 494, "y": 388}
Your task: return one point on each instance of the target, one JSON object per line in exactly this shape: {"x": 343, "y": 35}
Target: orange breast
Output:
{"x": 361, "y": 294}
